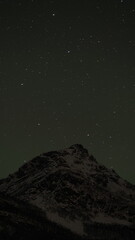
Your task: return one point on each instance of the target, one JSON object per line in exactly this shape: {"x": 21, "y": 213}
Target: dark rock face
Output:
{"x": 22, "y": 221}
{"x": 73, "y": 190}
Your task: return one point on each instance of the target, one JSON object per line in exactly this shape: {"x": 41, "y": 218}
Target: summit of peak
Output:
{"x": 77, "y": 146}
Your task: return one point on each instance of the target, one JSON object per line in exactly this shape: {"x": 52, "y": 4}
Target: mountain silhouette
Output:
{"x": 74, "y": 193}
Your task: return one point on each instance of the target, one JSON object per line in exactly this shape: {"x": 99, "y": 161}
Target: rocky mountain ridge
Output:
{"x": 73, "y": 190}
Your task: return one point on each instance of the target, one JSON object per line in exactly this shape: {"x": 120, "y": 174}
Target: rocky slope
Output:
{"x": 22, "y": 221}
{"x": 74, "y": 190}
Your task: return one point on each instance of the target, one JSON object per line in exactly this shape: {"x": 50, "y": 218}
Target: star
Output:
{"x": 110, "y": 137}
{"x": 81, "y": 60}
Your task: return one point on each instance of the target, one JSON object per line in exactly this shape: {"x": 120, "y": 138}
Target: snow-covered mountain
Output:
{"x": 74, "y": 190}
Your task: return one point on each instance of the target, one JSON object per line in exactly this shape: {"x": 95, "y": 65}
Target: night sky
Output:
{"x": 67, "y": 75}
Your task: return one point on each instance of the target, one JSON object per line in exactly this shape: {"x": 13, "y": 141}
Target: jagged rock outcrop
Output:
{"x": 74, "y": 190}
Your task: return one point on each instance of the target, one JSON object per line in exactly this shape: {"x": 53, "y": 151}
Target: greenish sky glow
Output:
{"x": 67, "y": 75}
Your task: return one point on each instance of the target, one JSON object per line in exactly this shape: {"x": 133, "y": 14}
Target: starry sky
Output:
{"x": 67, "y": 75}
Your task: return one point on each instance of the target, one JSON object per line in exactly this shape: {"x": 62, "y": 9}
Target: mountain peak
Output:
{"x": 77, "y": 146}
{"x": 73, "y": 189}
